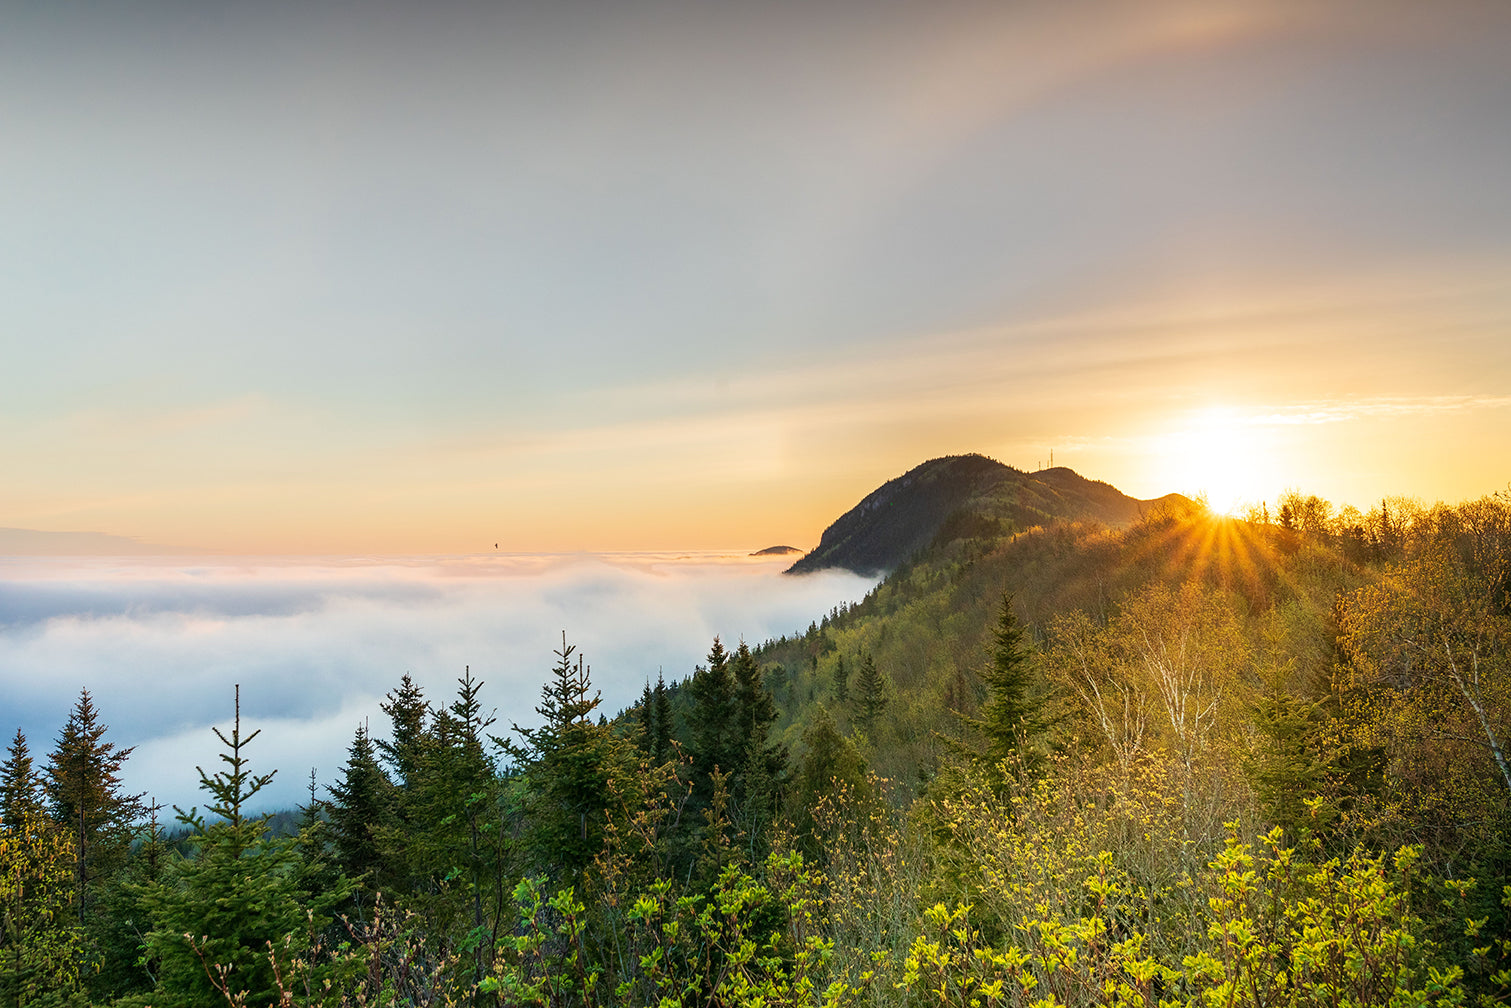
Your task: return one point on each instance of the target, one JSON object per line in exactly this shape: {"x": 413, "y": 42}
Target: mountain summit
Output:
{"x": 957, "y": 496}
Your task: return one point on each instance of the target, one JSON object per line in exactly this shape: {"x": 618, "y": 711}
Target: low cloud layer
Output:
{"x": 315, "y": 645}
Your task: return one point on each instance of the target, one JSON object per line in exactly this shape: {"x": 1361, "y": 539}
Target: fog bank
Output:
{"x": 316, "y": 643}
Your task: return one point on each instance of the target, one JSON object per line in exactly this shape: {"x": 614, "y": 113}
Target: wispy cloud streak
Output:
{"x": 1307, "y": 414}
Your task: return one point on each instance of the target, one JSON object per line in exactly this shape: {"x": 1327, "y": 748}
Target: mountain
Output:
{"x": 964, "y": 496}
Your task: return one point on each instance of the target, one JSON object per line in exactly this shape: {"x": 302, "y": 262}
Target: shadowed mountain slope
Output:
{"x": 961, "y": 496}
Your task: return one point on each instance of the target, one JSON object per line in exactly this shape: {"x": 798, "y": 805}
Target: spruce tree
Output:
{"x": 755, "y": 788}
{"x": 1010, "y": 715}
{"x": 716, "y": 741}
{"x": 831, "y": 767}
{"x": 572, "y": 766}
{"x": 20, "y": 789}
{"x": 1287, "y": 765}
{"x": 441, "y": 847}
{"x": 360, "y": 808}
{"x": 406, "y": 752}
{"x": 646, "y": 716}
{"x": 241, "y": 896}
{"x": 460, "y": 842}
{"x": 408, "y": 713}
{"x": 121, "y": 916}
{"x": 662, "y": 749}
{"x": 754, "y": 703}
{"x": 871, "y": 694}
{"x": 83, "y": 787}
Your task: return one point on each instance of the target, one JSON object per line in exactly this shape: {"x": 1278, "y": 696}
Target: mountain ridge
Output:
{"x": 957, "y": 496}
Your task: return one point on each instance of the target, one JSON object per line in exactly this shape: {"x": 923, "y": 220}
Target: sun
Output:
{"x": 1216, "y": 453}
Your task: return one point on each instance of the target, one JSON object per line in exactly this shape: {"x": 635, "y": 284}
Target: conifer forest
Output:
{"x": 1198, "y": 760}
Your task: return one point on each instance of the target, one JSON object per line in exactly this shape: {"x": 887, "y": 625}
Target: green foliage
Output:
{"x": 1058, "y": 900}
{"x": 750, "y": 941}
{"x": 736, "y": 766}
{"x": 361, "y": 807}
{"x": 117, "y": 965}
{"x": 763, "y": 763}
{"x": 716, "y": 744}
{"x": 870, "y": 695}
{"x": 41, "y": 941}
{"x": 571, "y": 766}
{"x": 661, "y": 734}
{"x": 217, "y": 914}
{"x": 405, "y": 748}
{"x": 20, "y": 787}
{"x": 830, "y": 763}
{"x": 1285, "y": 931}
{"x": 1430, "y": 648}
{"x": 1265, "y": 766}
{"x": 1011, "y": 716}
{"x": 83, "y": 788}
{"x": 460, "y": 839}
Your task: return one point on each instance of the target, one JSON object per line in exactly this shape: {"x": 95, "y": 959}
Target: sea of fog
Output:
{"x": 315, "y": 644}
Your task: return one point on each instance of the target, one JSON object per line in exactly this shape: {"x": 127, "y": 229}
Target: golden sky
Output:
{"x": 677, "y": 276}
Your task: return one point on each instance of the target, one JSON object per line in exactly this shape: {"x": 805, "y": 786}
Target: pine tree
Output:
{"x": 408, "y": 713}
{"x": 119, "y": 968}
{"x": 831, "y": 766}
{"x": 407, "y": 753}
{"x": 841, "y": 680}
{"x": 754, "y": 703}
{"x": 84, "y": 789}
{"x": 871, "y": 696}
{"x": 460, "y": 815}
{"x": 572, "y": 766}
{"x": 20, "y": 790}
{"x": 716, "y": 741}
{"x": 1288, "y": 766}
{"x": 662, "y": 749}
{"x": 217, "y": 914}
{"x": 360, "y": 806}
{"x": 756, "y": 784}
{"x": 646, "y": 715}
{"x": 1011, "y": 714}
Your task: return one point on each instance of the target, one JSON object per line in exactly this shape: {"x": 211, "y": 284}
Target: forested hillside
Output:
{"x": 1190, "y": 760}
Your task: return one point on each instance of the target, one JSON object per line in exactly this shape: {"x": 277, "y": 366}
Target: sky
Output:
{"x": 392, "y": 279}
